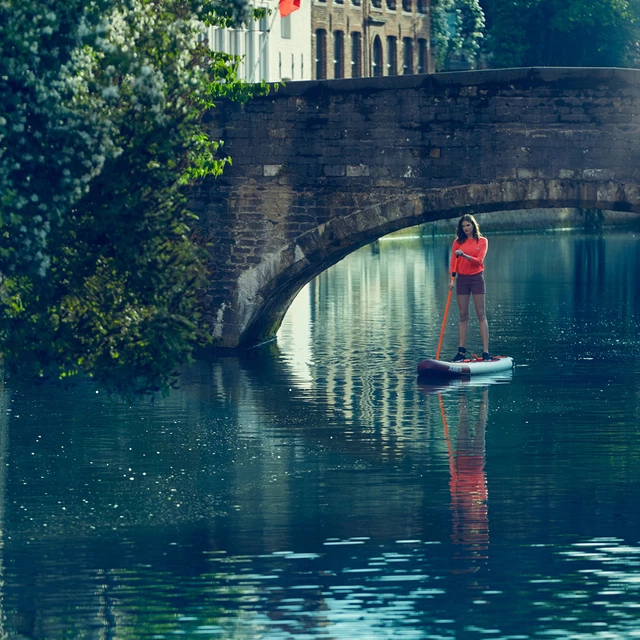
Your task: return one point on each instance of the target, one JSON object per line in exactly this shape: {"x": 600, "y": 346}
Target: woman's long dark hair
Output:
{"x": 462, "y": 236}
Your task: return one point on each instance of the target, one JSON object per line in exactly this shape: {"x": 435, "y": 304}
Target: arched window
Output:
{"x": 391, "y": 5}
{"x": 407, "y": 57}
{"x": 321, "y": 54}
{"x": 376, "y": 58}
{"x": 356, "y": 54}
{"x": 423, "y": 67}
{"x": 338, "y": 54}
{"x": 406, "y": 5}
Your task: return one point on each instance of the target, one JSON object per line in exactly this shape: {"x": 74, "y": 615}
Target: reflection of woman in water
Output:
{"x": 468, "y": 484}
{"x": 467, "y": 260}
{"x": 469, "y": 481}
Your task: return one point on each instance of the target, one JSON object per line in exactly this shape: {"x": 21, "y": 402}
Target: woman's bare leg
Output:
{"x": 478, "y": 303}
{"x": 463, "y": 327}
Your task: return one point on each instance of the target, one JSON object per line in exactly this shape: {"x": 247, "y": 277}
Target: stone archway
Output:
{"x": 270, "y": 287}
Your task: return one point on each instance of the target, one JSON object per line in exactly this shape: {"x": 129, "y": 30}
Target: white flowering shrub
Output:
{"x": 100, "y": 135}
{"x": 51, "y": 144}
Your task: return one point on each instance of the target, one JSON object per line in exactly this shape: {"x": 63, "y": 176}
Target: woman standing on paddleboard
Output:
{"x": 467, "y": 260}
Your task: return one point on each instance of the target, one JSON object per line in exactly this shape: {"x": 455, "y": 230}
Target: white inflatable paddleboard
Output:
{"x": 465, "y": 367}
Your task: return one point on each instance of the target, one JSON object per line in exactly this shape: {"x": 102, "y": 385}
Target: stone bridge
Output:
{"x": 322, "y": 168}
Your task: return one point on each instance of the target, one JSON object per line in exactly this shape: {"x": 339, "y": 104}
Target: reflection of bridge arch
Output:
{"x": 323, "y": 168}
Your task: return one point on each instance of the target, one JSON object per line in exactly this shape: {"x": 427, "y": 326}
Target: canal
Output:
{"x": 315, "y": 488}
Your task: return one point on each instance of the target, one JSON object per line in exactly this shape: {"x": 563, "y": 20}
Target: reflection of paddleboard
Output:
{"x": 437, "y": 383}
{"x": 464, "y": 367}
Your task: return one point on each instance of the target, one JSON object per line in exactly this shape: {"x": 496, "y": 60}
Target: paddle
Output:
{"x": 452, "y": 467}
{"x": 446, "y": 309}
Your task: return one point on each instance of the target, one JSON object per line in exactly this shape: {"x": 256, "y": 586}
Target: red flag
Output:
{"x": 288, "y": 6}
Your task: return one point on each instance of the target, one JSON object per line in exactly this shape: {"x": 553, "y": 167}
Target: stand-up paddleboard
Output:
{"x": 465, "y": 367}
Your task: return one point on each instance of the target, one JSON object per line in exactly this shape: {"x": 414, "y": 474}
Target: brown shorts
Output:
{"x": 466, "y": 285}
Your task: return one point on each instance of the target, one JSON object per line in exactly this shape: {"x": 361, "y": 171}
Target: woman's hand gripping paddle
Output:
{"x": 446, "y": 310}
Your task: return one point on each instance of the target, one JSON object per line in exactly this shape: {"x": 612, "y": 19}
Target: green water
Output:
{"x": 314, "y": 488}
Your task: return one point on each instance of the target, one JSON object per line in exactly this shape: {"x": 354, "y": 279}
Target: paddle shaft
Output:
{"x": 446, "y": 311}
{"x": 452, "y": 466}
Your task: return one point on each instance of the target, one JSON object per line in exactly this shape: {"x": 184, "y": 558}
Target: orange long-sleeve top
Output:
{"x": 477, "y": 249}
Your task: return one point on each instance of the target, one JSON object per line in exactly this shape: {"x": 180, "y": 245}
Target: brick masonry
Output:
{"x": 322, "y": 168}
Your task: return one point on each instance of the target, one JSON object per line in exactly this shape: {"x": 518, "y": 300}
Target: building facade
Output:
{"x": 356, "y": 38}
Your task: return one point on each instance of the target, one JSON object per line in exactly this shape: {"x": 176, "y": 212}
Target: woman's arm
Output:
{"x": 476, "y": 261}
{"x": 454, "y": 257}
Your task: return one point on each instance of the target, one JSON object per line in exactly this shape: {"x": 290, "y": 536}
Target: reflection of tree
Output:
{"x": 558, "y": 284}
{"x": 127, "y": 604}
{"x": 589, "y": 267}
{"x": 468, "y": 483}
{"x": 4, "y": 445}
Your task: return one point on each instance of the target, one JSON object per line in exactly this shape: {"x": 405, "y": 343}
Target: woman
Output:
{"x": 467, "y": 261}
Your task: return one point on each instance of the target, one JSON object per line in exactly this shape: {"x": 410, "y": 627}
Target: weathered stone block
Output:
{"x": 271, "y": 170}
{"x": 336, "y": 170}
{"x": 357, "y": 170}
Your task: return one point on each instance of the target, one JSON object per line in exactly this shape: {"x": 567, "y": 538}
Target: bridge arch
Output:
{"x": 323, "y": 168}
{"x": 298, "y": 262}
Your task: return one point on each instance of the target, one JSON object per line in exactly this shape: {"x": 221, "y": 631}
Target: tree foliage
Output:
{"x": 100, "y": 135}
{"x": 563, "y": 32}
{"x": 457, "y": 28}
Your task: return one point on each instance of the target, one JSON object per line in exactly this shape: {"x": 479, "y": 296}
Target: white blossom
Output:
{"x": 111, "y": 91}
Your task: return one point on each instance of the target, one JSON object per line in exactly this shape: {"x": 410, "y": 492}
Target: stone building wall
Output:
{"x": 367, "y": 26}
